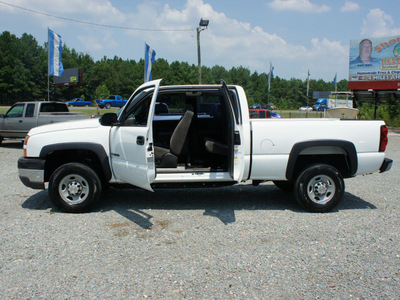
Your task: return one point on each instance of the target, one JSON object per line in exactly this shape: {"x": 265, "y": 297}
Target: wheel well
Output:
{"x": 57, "y": 158}
{"x": 339, "y": 161}
{"x": 339, "y": 154}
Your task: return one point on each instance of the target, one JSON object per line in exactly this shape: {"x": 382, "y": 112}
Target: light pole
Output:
{"x": 202, "y": 26}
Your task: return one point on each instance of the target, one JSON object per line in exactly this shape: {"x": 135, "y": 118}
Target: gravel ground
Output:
{"x": 240, "y": 242}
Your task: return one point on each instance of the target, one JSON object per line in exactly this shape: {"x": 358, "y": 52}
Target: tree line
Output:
{"x": 23, "y": 76}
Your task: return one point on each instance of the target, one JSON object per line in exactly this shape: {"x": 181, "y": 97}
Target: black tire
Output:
{"x": 108, "y": 105}
{"x": 319, "y": 188}
{"x": 286, "y": 186}
{"x": 75, "y": 187}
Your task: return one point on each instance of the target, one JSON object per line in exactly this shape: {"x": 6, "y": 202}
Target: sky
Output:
{"x": 295, "y": 36}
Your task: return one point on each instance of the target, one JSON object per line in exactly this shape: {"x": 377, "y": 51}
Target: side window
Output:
{"x": 138, "y": 114}
{"x": 15, "y": 111}
{"x": 210, "y": 105}
{"x": 53, "y": 107}
{"x": 170, "y": 104}
{"x": 30, "y": 108}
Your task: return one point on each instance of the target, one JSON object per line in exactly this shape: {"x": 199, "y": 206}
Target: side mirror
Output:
{"x": 108, "y": 119}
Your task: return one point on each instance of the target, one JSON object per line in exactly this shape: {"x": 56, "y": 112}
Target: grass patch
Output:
{"x": 93, "y": 110}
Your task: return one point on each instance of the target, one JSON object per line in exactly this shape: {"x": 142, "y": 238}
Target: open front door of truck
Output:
{"x": 236, "y": 131}
{"x": 131, "y": 143}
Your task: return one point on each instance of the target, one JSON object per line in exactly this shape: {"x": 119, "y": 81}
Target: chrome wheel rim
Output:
{"x": 321, "y": 189}
{"x": 73, "y": 189}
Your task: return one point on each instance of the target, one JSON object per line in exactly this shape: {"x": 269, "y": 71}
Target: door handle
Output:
{"x": 140, "y": 140}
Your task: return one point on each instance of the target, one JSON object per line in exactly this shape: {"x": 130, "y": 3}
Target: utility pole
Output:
{"x": 202, "y": 26}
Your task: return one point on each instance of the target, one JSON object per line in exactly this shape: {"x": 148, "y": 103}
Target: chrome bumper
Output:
{"x": 31, "y": 172}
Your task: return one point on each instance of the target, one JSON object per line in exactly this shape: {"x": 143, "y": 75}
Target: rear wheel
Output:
{"x": 108, "y": 105}
{"x": 75, "y": 187}
{"x": 319, "y": 188}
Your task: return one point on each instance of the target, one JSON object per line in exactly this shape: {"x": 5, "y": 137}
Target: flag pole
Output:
{"x": 271, "y": 69}
{"x": 308, "y": 84}
{"x": 48, "y": 72}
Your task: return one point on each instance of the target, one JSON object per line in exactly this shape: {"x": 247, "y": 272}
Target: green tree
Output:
{"x": 102, "y": 92}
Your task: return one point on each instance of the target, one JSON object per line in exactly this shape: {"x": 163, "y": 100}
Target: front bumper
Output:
{"x": 386, "y": 165}
{"x": 31, "y": 172}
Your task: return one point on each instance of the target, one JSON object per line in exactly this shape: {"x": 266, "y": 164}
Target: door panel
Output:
{"x": 132, "y": 161}
{"x": 131, "y": 146}
{"x": 237, "y": 134}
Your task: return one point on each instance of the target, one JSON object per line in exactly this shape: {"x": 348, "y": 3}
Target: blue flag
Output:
{"x": 149, "y": 57}
{"x": 55, "y": 50}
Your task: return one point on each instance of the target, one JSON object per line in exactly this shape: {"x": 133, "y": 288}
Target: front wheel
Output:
{"x": 286, "y": 186}
{"x": 319, "y": 188}
{"x": 75, "y": 187}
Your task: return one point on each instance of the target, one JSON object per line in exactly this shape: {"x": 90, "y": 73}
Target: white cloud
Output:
{"x": 299, "y": 5}
{"x": 350, "y": 6}
{"x": 99, "y": 11}
{"x": 325, "y": 57}
{"x": 378, "y": 24}
{"x": 95, "y": 43}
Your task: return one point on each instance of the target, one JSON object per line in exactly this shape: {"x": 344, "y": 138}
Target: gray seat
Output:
{"x": 168, "y": 158}
{"x": 216, "y": 147}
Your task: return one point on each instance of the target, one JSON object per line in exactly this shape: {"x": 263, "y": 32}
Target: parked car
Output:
{"x": 257, "y": 106}
{"x": 305, "y": 108}
{"x": 269, "y": 106}
{"x": 111, "y": 101}
{"x": 79, "y": 102}
{"x": 263, "y": 114}
{"x": 320, "y": 104}
{"x": 259, "y": 113}
{"x": 23, "y": 116}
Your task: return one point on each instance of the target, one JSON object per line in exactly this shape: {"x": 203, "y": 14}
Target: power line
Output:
{"x": 90, "y": 23}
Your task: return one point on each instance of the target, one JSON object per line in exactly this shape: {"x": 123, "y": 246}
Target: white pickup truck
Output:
{"x": 199, "y": 135}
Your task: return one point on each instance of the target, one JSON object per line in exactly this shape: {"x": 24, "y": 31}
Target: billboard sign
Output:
{"x": 70, "y": 77}
{"x": 374, "y": 63}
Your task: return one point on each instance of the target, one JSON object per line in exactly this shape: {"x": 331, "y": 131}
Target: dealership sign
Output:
{"x": 374, "y": 63}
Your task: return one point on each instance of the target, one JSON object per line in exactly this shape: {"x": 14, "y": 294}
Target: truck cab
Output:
{"x": 197, "y": 139}
{"x": 320, "y": 104}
